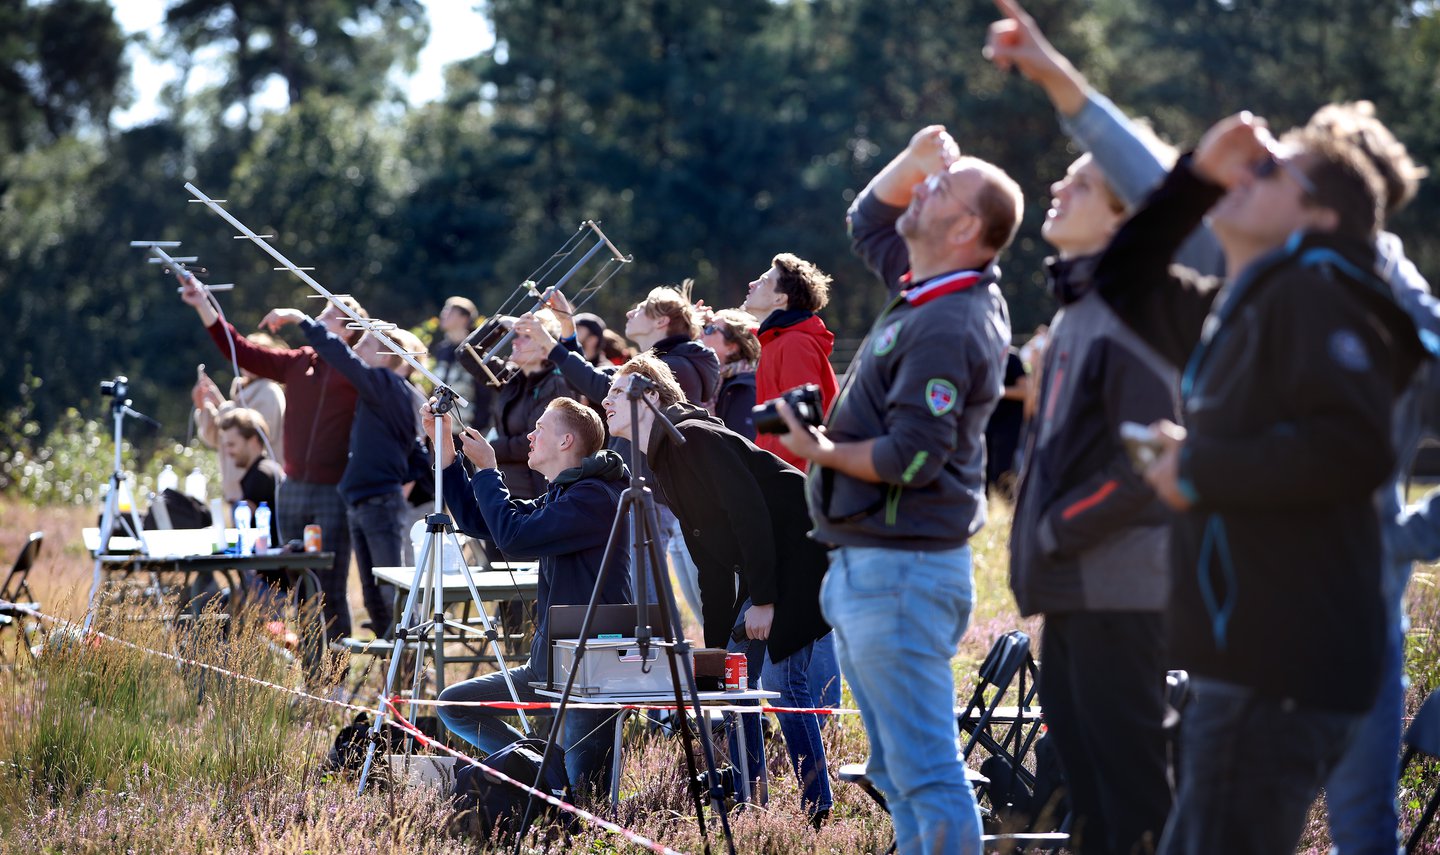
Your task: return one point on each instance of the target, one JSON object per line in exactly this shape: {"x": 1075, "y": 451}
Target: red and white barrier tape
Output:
{"x": 541, "y": 706}
{"x": 634, "y": 837}
{"x": 397, "y": 721}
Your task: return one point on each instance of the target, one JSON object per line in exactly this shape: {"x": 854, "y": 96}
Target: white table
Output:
{"x": 732, "y": 719}
{"x": 502, "y": 580}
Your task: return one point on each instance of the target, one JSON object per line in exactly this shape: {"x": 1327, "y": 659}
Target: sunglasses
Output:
{"x": 711, "y": 329}
{"x": 1273, "y": 163}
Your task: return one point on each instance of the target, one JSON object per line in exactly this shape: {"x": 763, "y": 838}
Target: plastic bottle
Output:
{"x": 244, "y": 538}
{"x": 262, "y": 527}
{"x": 195, "y": 484}
{"x": 217, "y": 523}
{"x": 167, "y": 480}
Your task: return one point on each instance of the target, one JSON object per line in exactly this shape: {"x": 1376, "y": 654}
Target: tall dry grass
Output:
{"x": 106, "y": 749}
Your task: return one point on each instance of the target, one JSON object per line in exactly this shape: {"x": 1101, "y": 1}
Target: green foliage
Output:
{"x": 706, "y": 138}
{"x": 72, "y": 464}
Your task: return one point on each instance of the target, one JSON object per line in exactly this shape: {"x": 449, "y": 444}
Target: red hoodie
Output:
{"x": 789, "y": 357}
{"x": 319, "y": 405}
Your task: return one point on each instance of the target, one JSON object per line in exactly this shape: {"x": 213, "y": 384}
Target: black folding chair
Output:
{"x": 16, "y": 590}
{"x": 1423, "y": 737}
{"x": 1007, "y": 731}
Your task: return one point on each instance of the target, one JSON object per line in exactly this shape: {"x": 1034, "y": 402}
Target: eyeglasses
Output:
{"x": 711, "y": 329}
{"x": 1274, "y": 162}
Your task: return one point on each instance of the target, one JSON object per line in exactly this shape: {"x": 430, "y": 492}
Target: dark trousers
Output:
{"x": 375, "y": 532}
{"x": 1102, "y": 687}
{"x": 303, "y": 503}
{"x": 1250, "y": 769}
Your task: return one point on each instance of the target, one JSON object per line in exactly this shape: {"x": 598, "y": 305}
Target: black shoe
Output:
{"x": 819, "y": 818}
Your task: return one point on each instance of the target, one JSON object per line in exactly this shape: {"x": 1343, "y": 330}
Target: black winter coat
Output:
{"x": 743, "y": 513}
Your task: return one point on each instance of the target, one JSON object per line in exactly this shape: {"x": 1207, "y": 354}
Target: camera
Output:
{"x": 117, "y": 388}
{"x": 804, "y": 400}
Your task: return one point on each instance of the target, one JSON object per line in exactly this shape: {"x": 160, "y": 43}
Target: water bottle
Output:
{"x": 167, "y": 480}
{"x": 242, "y": 525}
{"x": 262, "y": 527}
{"x": 217, "y": 524}
{"x": 195, "y": 484}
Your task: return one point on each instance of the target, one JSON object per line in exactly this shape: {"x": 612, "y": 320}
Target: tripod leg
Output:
{"x": 407, "y": 619}
{"x": 680, "y": 651}
{"x": 494, "y": 639}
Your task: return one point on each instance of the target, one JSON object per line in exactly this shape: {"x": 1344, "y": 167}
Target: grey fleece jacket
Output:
{"x": 924, "y": 383}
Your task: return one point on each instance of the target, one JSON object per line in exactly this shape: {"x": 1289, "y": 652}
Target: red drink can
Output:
{"x": 737, "y": 672}
{"x": 312, "y": 538}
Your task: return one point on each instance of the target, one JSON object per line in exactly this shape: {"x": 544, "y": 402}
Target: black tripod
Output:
{"x": 637, "y": 506}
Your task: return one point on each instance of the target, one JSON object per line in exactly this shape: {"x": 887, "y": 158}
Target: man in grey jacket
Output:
{"x": 898, "y": 481}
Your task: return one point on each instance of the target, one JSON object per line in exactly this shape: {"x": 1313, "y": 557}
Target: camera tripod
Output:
{"x": 411, "y": 623}
{"x": 113, "y": 514}
{"x": 637, "y": 508}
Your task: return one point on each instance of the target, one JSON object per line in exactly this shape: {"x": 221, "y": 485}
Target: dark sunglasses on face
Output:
{"x": 711, "y": 329}
{"x": 1273, "y": 163}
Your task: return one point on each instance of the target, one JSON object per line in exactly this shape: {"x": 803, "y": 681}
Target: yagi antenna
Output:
{"x": 356, "y": 320}
{"x": 175, "y": 263}
{"x": 550, "y": 277}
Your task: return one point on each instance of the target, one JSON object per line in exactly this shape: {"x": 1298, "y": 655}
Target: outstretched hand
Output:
{"x": 932, "y": 149}
{"x": 528, "y": 324}
{"x": 1230, "y": 149}
{"x": 1163, "y": 475}
{"x": 277, "y": 318}
{"x": 1017, "y": 43}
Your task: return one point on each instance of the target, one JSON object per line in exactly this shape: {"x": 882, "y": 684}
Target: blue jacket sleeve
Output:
{"x": 872, "y": 236}
{"x": 460, "y": 499}
{"x": 580, "y": 374}
{"x": 369, "y": 382}
{"x": 1133, "y": 169}
{"x": 575, "y": 519}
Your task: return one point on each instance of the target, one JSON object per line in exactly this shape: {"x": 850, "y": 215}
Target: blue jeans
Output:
{"x": 750, "y": 725}
{"x": 589, "y": 734}
{"x": 898, "y": 617}
{"x": 791, "y": 678}
{"x": 1250, "y": 768}
{"x": 1360, "y": 794}
{"x": 825, "y": 675}
{"x": 378, "y": 540}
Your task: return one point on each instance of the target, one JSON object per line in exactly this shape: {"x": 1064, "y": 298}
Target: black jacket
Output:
{"x": 695, "y": 366}
{"x": 735, "y": 403}
{"x": 743, "y": 513}
{"x": 1088, "y": 532}
{"x": 566, "y": 529}
{"x": 1288, "y": 398}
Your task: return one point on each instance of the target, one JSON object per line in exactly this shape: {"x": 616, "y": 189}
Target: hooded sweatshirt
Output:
{"x": 566, "y": 529}
{"x": 795, "y": 349}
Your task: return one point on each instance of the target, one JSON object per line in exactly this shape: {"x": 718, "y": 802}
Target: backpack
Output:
{"x": 486, "y": 806}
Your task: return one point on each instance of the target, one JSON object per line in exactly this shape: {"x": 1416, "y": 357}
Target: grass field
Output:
{"x": 105, "y": 749}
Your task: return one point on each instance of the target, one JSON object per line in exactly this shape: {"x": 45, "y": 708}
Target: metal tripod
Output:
{"x": 637, "y": 507}
{"x": 112, "y": 514}
{"x": 412, "y": 625}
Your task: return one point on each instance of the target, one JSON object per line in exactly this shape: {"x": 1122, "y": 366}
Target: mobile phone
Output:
{"x": 1141, "y": 443}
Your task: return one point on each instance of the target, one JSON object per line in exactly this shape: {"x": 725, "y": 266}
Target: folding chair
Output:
{"x": 1423, "y": 737}
{"x": 16, "y": 590}
{"x": 1005, "y": 731}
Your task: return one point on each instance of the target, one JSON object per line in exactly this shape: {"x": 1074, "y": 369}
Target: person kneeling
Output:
{"x": 566, "y": 529}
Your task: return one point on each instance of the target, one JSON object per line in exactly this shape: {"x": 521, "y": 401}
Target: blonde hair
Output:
{"x": 672, "y": 303}
{"x": 651, "y": 368}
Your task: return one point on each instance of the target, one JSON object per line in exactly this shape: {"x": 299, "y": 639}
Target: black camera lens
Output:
{"x": 804, "y": 400}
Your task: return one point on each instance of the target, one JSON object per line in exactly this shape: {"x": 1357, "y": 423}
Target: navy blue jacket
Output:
{"x": 566, "y": 529}
{"x": 384, "y": 430}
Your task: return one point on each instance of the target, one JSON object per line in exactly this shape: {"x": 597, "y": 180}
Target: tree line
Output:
{"x": 707, "y": 137}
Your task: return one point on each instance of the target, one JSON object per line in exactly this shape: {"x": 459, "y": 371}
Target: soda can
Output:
{"x": 312, "y": 538}
{"x": 737, "y": 674}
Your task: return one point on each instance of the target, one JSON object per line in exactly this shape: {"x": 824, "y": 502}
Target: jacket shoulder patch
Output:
{"x": 885, "y": 341}
{"x": 940, "y": 396}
